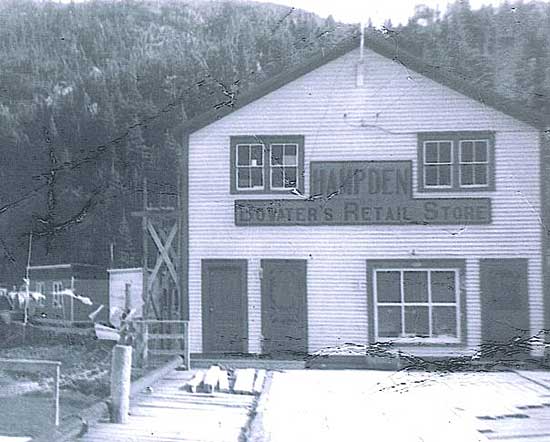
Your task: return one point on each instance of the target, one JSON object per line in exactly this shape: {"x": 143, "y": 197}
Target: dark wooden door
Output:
{"x": 504, "y": 305}
{"x": 224, "y": 306}
{"x": 284, "y": 307}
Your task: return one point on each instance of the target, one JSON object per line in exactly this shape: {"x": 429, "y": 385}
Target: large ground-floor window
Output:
{"x": 412, "y": 304}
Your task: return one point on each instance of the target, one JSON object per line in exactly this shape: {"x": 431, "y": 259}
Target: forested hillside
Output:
{"x": 506, "y": 49}
{"x": 89, "y": 93}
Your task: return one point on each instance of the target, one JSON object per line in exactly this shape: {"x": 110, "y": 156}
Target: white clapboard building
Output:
{"x": 364, "y": 197}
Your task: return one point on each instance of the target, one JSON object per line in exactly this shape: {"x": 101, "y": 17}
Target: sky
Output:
{"x": 353, "y": 11}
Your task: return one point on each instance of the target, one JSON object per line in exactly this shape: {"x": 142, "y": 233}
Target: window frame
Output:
{"x": 266, "y": 141}
{"x": 57, "y": 299}
{"x": 40, "y": 287}
{"x": 249, "y": 166}
{"x": 425, "y": 165}
{"x": 429, "y": 304}
{"x": 473, "y": 162}
{"x": 456, "y": 139}
{"x": 444, "y": 265}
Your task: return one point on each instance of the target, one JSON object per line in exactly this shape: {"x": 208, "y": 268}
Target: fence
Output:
{"x": 159, "y": 340}
{"x": 41, "y": 366}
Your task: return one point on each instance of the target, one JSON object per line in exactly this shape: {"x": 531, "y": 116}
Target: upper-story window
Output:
{"x": 451, "y": 161}
{"x": 438, "y": 163}
{"x": 250, "y": 166}
{"x": 284, "y": 166}
{"x": 267, "y": 163}
{"x": 474, "y": 163}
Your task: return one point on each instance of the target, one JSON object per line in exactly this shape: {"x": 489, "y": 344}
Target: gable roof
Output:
{"x": 382, "y": 46}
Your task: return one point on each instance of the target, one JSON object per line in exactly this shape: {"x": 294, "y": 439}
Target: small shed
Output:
{"x": 84, "y": 280}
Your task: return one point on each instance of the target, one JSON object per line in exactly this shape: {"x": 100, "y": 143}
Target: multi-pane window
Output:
{"x": 57, "y": 297}
{"x": 417, "y": 303}
{"x": 250, "y": 166}
{"x": 283, "y": 165}
{"x": 451, "y": 161}
{"x": 474, "y": 163}
{"x": 267, "y": 163}
{"x": 39, "y": 287}
{"x": 438, "y": 162}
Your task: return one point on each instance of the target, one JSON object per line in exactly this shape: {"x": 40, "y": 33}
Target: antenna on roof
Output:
{"x": 362, "y": 47}
{"x": 361, "y": 64}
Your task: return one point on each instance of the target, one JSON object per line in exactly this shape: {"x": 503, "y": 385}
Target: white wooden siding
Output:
{"x": 376, "y": 122}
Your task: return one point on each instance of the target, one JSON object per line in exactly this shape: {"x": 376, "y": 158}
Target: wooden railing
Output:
{"x": 159, "y": 340}
{"x": 41, "y": 366}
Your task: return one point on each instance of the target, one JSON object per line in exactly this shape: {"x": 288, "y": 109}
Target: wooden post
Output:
{"x": 145, "y": 344}
{"x": 186, "y": 351}
{"x": 56, "y": 396}
{"x": 145, "y": 260}
{"x": 121, "y": 370}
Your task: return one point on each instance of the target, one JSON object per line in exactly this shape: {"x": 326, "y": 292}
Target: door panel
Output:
{"x": 224, "y": 306}
{"x": 284, "y": 306}
{"x": 504, "y": 301}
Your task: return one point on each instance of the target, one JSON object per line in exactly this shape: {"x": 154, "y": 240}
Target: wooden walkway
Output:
{"x": 168, "y": 413}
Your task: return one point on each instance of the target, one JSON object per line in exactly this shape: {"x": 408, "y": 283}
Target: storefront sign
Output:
{"x": 361, "y": 193}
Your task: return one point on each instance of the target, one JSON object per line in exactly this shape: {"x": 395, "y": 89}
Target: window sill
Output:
{"x": 263, "y": 192}
{"x": 422, "y": 341}
{"x": 463, "y": 189}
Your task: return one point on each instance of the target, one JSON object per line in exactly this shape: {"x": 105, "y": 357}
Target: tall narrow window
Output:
{"x": 284, "y": 166}
{"x": 57, "y": 297}
{"x": 250, "y": 166}
{"x": 474, "y": 163}
{"x": 438, "y": 160}
{"x": 39, "y": 287}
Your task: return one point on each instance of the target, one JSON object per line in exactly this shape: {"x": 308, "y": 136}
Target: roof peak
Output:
{"x": 380, "y": 44}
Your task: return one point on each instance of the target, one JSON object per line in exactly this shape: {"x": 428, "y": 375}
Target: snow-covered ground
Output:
{"x": 352, "y": 405}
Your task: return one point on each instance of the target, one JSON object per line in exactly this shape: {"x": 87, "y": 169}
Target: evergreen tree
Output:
{"x": 124, "y": 251}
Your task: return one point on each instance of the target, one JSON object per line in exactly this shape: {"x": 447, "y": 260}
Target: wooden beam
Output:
{"x": 145, "y": 260}
{"x": 259, "y": 382}
{"x": 156, "y": 212}
{"x": 171, "y": 251}
{"x": 162, "y": 249}
{"x": 32, "y": 365}
{"x": 160, "y": 257}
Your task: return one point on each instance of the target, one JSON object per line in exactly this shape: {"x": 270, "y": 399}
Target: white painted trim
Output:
{"x": 129, "y": 270}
